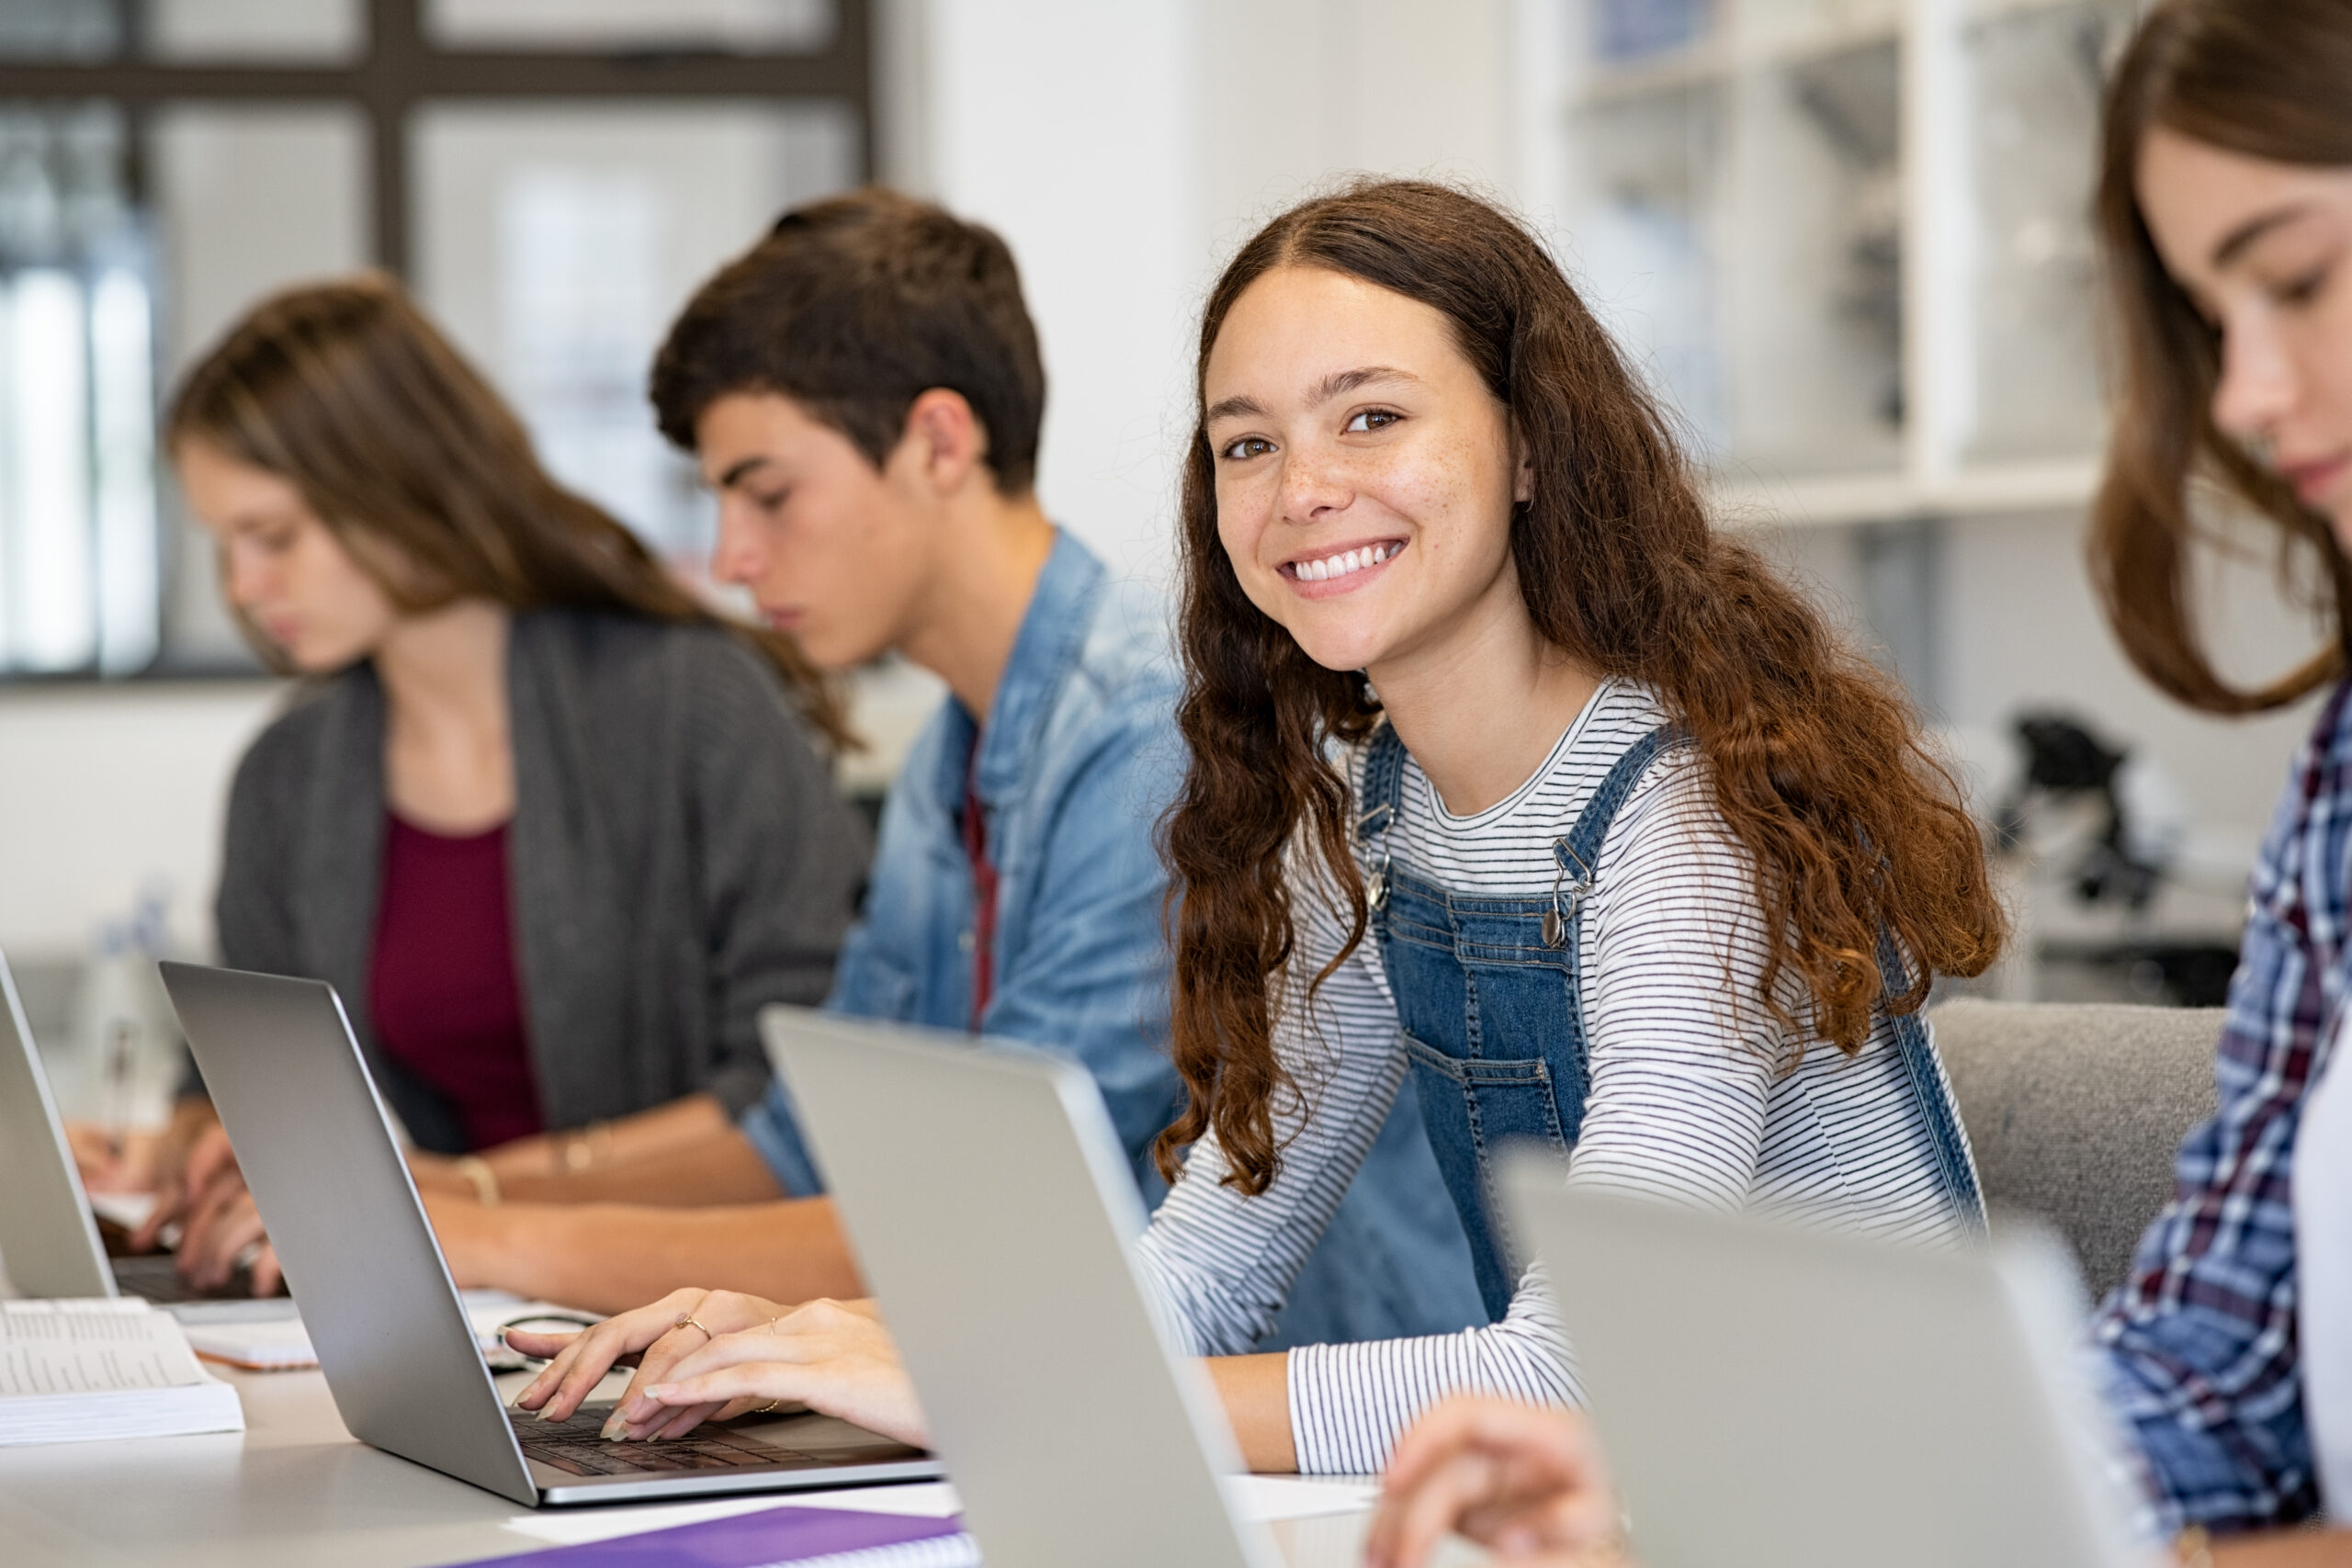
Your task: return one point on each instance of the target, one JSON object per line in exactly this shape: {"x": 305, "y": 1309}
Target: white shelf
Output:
{"x": 1729, "y": 51}
{"x": 1828, "y": 499}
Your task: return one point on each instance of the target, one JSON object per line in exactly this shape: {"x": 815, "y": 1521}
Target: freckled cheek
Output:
{"x": 1242, "y": 511}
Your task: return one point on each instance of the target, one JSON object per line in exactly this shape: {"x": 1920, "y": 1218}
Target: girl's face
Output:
{"x": 1365, "y": 475}
{"x": 281, "y": 568}
{"x": 2265, "y": 250}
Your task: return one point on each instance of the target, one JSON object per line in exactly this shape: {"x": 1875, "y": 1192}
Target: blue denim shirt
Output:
{"x": 1078, "y": 761}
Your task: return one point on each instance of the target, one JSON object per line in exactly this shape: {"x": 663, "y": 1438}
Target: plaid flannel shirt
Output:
{"x": 2198, "y": 1346}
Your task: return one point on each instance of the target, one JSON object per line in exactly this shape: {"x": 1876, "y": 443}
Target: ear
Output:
{"x": 943, "y": 441}
{"x": 1522, "y": 484}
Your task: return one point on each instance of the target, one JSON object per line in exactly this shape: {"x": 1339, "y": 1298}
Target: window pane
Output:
{"x": 748, "y": 25}
{"x": 557, "y": 244}
{"x": 77, "y": 537}
{"x": 326, "y": 31}
{"x": 59, "y": 29}
{"x": 250, "y": 198}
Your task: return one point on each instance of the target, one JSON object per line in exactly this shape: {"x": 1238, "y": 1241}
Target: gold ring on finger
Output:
{"x": 687, "y": 1320}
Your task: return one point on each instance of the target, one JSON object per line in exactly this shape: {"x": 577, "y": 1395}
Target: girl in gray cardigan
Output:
{"x": 553, "y": 830}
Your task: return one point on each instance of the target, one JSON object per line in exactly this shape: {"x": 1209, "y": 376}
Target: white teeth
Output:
{"x": 1345, "y": 562}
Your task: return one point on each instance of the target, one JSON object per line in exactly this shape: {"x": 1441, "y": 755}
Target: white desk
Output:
{"x": 296, "y": 1489}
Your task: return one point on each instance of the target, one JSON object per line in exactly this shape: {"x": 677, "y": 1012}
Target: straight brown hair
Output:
{"x": 1814, "y": 756}
{"x": 404, "y": 451}
{"x": 2270, "y": 79}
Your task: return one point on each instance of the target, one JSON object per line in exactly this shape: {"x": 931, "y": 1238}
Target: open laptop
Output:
{"x": 317, "y": 1150}
{"x": 1770, "y": 1393}
{"x": 49, "y": 1239}
{"x": 992, "y": 1211}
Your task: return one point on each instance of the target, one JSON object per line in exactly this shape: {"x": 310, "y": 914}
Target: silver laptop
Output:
{"x": 316, "y": 1147}
{"x": 992, "y": 1210}
{"x": 1770, "y": 1393}
{"x": 49, "y": 1240}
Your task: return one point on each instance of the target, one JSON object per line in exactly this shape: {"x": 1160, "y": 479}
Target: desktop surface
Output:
{"x": 296, "y": 1489}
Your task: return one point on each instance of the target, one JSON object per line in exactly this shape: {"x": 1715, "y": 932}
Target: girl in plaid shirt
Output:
{"x": 2225, "y": 215}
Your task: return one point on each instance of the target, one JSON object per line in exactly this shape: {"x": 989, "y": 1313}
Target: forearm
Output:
{"x": 2288, "y": 1549}
{"x": 624, "y": 1141}
{"x": 613, "y": 1257}
{"x": 720, "y": 1167}
{"x": 1255, "y": 1392}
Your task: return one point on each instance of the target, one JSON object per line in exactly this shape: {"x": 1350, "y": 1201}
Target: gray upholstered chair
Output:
{"x": 2074, "y": 1112}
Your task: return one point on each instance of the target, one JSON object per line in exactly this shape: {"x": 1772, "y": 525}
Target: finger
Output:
{"x": 681, "y": 1422}
{"x": 215, "y": 1255}
{"x": 600, "y": 1350}
{"x": 1412, "y": 1523}
{"x": 671, "y": 1364}
{"x": 268, "y": 1276}
{"x": 749, "y": 1380}
{"x": 170, "y": 1198}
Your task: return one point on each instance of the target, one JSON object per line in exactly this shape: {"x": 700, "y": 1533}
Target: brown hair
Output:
{"x": 2270, "y": 79}
{"x": 344, "y": 389}
{"x": 1813, "y": 755}
{"x": 854, "y": 307}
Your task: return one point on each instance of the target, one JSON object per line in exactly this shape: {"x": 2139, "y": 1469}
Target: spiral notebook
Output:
{"x": 802, "y": 1538}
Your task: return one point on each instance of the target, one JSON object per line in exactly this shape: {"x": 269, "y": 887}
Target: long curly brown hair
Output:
{"x": 1814, "y": 756}
{"x": 2266, "y": 78}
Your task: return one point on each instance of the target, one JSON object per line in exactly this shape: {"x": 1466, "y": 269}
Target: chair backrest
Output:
{"x": 2074, "y": 1112}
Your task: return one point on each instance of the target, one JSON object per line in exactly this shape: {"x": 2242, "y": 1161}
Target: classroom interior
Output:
{"x": 1847, "y": 242}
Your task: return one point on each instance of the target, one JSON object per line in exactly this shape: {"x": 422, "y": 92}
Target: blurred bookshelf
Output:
{"x": 1849, "y": 240}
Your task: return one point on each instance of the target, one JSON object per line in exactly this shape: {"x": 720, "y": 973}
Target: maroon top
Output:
{"x": 442, "y": 988}
{"x": 984, "y": 881}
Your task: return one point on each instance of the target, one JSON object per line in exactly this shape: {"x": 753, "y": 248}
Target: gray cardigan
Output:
{"x": 677, "y": 859}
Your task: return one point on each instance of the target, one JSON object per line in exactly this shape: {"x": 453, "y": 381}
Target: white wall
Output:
{"x": 1125, "y": 150}
{"x": 103, "y": 792}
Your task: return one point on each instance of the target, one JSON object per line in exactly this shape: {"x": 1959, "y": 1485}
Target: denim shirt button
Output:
{"x": 964, "y": 940}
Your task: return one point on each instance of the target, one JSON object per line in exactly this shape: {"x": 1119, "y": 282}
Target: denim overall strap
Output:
{"x": 1383, "y": 783}
{"x": 1487, "y": 996}
{"x": 1927, "y": 1085}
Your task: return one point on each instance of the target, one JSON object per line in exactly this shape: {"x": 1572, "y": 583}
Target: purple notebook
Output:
{"x": 762, "y": 1541}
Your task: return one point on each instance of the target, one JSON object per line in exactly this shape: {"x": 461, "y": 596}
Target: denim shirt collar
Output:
{"x": 1052, "y": 633}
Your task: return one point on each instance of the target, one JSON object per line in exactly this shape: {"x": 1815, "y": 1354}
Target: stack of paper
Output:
{"x": 72, "y": 1370}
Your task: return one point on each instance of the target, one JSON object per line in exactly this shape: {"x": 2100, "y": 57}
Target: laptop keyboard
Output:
{"x": 155, "y": 1276}
{"x": 575, "y": 1447}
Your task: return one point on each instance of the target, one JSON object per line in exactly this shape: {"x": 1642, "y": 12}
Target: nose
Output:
{"x": 1315, "y": 486}
{"x": 736, "y": 556}
{"x": 2258, "y": 386}
{"x": 245, "y": 577}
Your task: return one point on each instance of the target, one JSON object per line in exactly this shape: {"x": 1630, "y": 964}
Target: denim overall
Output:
{"x": 1488, "y": 999}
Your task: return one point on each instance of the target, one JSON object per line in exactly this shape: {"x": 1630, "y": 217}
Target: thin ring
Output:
{"x": 767, "y": 1409}
{"x": 687, "y": 1320}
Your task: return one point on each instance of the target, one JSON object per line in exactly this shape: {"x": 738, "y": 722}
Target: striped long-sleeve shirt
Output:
{"x": 1696, "y": 1096}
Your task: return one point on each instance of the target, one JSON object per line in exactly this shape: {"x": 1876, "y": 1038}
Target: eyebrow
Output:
{"x": 1334, "y": 385}
{"x": 741, "y": 470}
{"x": 2234, "y": 244}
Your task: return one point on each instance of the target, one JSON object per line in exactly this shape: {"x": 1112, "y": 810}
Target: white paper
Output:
{"x": 90, "y": 1346}
{"x": 74, "y": 1371}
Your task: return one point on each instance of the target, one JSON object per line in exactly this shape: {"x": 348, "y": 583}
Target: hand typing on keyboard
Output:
{"x": 715, "y": 1354}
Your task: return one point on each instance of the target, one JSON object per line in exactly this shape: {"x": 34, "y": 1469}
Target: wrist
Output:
{"x": 477, "y": 1174}
{"x": 580, "y": 1151}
